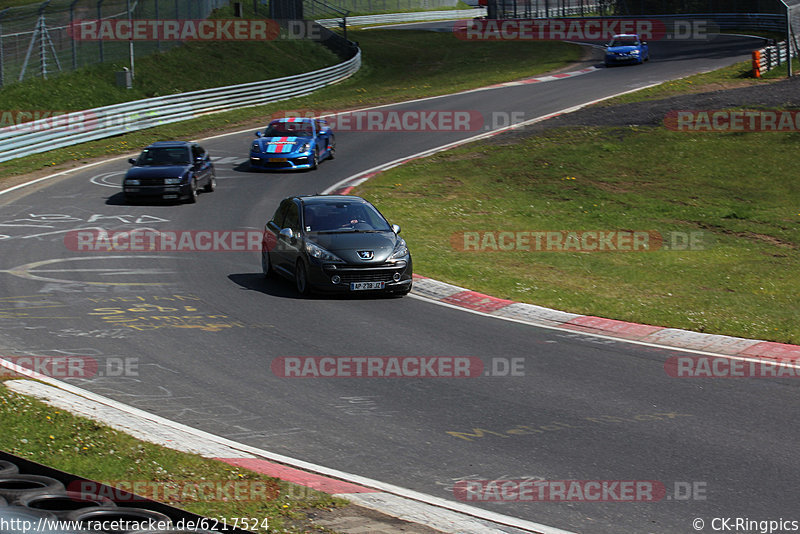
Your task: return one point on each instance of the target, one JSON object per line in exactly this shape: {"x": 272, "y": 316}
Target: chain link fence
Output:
{"x": 36, "y": 40}
{"x": 315, "y": 10}
{"x": 527, "y": 9}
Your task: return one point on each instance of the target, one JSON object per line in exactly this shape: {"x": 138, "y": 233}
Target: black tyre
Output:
{"x": 7, "y": 468}
{"x": 129, "y": 517}
{"x": 403, "y": 292}
{"x": 15, "y": 487}
{"x": 212, "y": 183}
{"x": 332, "y": 148}
{"x": 315, "y": 159}
{"x": 301, "y": 278}
{"x": 266, "y": 264}
{"x": 62, "y": 504}
{"x": 193, "y": 192}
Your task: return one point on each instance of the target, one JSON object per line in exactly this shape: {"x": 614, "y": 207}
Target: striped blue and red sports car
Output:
{"x": 292, "y": 143}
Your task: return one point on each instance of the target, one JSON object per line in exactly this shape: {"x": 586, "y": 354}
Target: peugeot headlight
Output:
{"x": 319, "y": 253}
{"x": 172, "y": 181}
{"x": 400, "y": 250}
{"x": 131, "y": 181}
{"x": 635, "y": 52}
{"x": 305, "y": 147}
{"x": 255, "y": 148}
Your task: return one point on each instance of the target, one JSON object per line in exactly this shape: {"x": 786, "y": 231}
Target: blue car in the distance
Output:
{"x": 292, "y": 143}
{"x": 626, "y": 48}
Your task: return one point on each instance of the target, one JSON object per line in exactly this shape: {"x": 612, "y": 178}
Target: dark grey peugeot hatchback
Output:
{"x": 335, "y": 243}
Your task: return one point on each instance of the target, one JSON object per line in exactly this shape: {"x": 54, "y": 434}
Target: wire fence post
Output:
{"x": 99, "y": 19}
{"x": 2, "y": 63}
{"x": 74, "y": 43}
{"x": 157, "y": 16}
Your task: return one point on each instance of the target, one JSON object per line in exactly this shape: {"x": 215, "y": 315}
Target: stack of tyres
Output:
{"x": 34, "y": 499}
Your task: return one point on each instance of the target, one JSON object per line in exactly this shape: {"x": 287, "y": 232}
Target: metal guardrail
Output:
{"x": 82, "y": 126}
{"x": 419, "y": 16}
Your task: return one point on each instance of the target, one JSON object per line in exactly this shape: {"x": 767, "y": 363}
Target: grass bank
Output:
{"x": 733, "y": 76}
{"x": 397, "y": 65}
{"x": 43, "y": 434}
{"x": 741, "y": 281}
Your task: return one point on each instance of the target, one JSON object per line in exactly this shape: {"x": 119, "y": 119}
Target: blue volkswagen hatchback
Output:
{"x": 169, "y": 170}
{"x": 626, "y": 48}
{"x": 292, "y": 143}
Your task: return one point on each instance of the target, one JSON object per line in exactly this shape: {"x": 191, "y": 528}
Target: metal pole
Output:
{"x": 157, "y": 17}
{"x": 788, "y": 43}
{"x": 99, "y": 19}
{"x": 2, "y": 66}
{"x": 130, "y": 40}
{"x": 74, "y": 40}
{"x": 788, "y": 39}
{"x": 42, "y": 43}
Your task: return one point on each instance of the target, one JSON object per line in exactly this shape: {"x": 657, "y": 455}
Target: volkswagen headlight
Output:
{"x": 131, "y": 181}
{"x": 172, "y": 181}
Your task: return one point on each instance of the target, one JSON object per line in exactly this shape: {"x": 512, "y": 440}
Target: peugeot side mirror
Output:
{"x": 132, "y": 161}
{"x": 395, "y": 229}
{"x": 287, "y": 233}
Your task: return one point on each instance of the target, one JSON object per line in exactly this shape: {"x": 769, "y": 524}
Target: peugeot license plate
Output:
{"x": 278, "y": 160}
{"x": 361, "y": 286}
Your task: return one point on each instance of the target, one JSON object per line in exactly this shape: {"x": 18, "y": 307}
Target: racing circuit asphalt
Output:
{"x": 585, "y": 409}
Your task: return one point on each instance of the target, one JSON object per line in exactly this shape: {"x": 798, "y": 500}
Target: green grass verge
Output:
{"x": 43, "y": 434}
{"x": 397, "y": 65}
{"x": 736, "y": 75}
{"x": 617, "y": 179}
{"x": 193, "y": 66}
